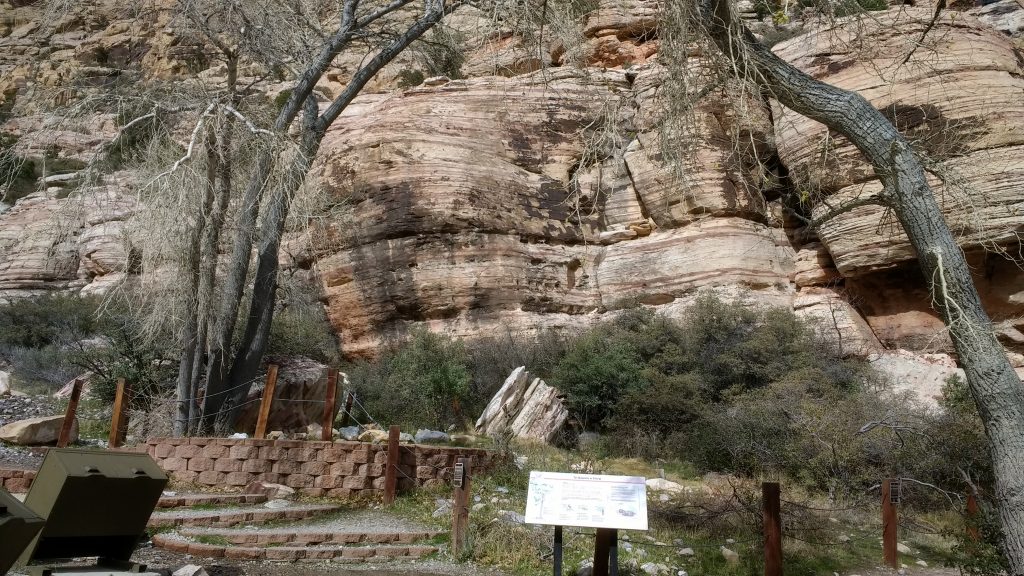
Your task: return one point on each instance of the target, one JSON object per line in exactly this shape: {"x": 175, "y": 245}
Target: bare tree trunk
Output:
{"x": 996, "y": 389}
{"x": 247, "y": 359}
{"x": 190, "y": 333}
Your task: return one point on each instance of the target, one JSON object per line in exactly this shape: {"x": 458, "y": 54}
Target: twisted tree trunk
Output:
{"x": 996, "y": 389}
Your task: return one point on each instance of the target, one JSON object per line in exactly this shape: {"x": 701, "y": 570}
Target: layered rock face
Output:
{"x": 536, "y": 194}
{"x": 473, "y": 208}
{"x": 956, "y": 96}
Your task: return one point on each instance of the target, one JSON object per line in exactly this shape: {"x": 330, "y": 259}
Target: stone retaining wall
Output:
{"x": 15, "y": 480}
{"x": 333, "y": 469}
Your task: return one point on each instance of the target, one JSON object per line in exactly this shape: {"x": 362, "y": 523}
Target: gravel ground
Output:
{"x": 359, "y": 520}
{"x": 12, "y": 409}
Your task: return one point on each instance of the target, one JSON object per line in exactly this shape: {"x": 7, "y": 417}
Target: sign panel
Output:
{"x": 459, "y": 475}
{"x": 588, "y": 500}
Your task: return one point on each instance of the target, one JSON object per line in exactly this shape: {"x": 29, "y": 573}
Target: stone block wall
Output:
{"x": 315, "y": 468}
{"x": 16, "y": 480}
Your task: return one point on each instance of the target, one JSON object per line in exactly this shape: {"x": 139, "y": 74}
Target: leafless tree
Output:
{"x": 242, "y": 165}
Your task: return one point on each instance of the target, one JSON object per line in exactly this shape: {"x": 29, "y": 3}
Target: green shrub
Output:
{"x": 303, "y": 332}
{"x": 47, "y": 320}
{"x": 50, "y": 339}
{"x": 596, "y": 370}
{"x": 423, "y": 381}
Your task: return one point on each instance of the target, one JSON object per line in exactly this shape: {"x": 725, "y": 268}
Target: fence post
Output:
{"x": 460, "y": 507}
{"x": 327, "y": 424}
{"x": 69, "y": 416}
{"x": 391, "y": 472}
{"x": 603, "y": 543}
{"x": 972, "y": 518}
{"x": 348, "y": 409}
{"x": 266, "y": 401}
{"x": 890, "y": 522}
{"x": 119, "y": 418}
{"x": 770, "y": 503}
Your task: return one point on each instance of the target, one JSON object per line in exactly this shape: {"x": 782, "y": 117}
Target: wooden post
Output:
{"x": 460, "y": 506}
{"x": 602, "y": 548}
{"x": 557, "y": 552}
{"x": 772, "y": 528}
{"x": 69, "y": 416}
{"x": 972, "y": 518}
{"x": 391, "y": 472}
{"x": 328, "y": 420}
{"x": 890, "y": 522}
{"x": 348, "y": 409}
{"x": 119, "y": 419}
{"x": 267, "y": 400}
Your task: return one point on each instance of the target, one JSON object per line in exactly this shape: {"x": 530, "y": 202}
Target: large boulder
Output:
{"x": 298, "y": 397}
{"x": 36, "y": 431}
{"x": 526, "y": 407}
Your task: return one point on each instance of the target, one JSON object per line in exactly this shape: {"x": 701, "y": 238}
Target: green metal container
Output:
{"x": 18, "y": 526}
{"x": 95, "y": 503}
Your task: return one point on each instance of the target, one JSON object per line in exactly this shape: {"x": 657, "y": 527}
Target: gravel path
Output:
{"x": 360, "y": 520}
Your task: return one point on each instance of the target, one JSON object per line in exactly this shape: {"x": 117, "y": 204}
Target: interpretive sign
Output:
{"x": 588, "y": 500}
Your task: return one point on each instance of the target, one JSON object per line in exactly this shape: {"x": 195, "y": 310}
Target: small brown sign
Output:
{"x": 459, "y": 474}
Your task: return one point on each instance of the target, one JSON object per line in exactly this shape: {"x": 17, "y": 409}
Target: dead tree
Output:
{"x": 218, "y": 289}
{"x": 996, "y": 389}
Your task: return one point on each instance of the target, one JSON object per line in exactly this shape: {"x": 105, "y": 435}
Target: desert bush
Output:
{"x": 596, "y": 370}
{"x": 47, "y": 320}
{"x": 495, "y": 357}
{"x": 303, "y": 332}
{"x": 49, "y": 339}
{"x": 423, "y": 381}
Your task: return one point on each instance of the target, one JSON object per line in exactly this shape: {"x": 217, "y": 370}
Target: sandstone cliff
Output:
{"x": 537, "y": 194}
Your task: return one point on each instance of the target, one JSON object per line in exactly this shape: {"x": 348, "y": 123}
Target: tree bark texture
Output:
{"x": 229, "y": 375}
{"x": 996, "y": 389}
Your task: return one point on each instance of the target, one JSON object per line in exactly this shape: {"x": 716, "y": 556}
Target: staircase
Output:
{"x": 241, "y": 526}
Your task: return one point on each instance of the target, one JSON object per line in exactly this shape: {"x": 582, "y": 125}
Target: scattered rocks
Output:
{"x": 190, "y": 570}
{"x": 424, "y": 436}
{"x": 444, "y": 508}
{"x": 374, "y": 436}
{"x": 903, "y": 548}
{"x": 349, "y": 433}
{"x": 16, "y": 406}
{"x": 663, "y": 485}
{"x": 270, "y": 490}
{"x": 5, "y": 383}
{"x": 36, "y": 431}
{"x": 921, "y": 563}
{"x": 654, "y": 569}
{"x": 510, "y": 517}
{"x": 731, "y": 556}
{"x": 685, "y": 552}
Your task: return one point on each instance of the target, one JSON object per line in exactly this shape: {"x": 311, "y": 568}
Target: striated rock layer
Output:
{"x": 476, "y": 214}
{"x": 536, "y": 194}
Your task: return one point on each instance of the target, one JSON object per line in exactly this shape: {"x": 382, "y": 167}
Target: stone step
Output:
{"x": 228, "y": 517}
{"x": 184, "y": 500}
{"x": 176, "y": 543}
{"x": 306, "y": 537}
